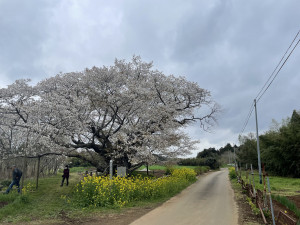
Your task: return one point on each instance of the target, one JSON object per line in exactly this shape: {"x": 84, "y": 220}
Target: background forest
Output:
{"x": 279, "y": 146}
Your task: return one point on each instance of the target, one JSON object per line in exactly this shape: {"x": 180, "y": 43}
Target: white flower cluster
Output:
{"x": 126, "y": 110}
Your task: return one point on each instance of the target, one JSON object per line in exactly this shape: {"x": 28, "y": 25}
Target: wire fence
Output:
{"x": 262, "y": 199}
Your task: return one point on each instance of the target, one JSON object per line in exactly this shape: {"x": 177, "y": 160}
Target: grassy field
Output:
{"x": 44, "y": 203}
{"x": 158, "y": 167}
{"x": 49, "y": 202}
{"x": 281, "y": 187}
{"x": 284, "y": 186}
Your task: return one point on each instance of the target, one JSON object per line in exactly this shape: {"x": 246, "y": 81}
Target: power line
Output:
{"x": 278, "y": 70}
{"x": 277, "y": 66}
{"x": 272, "y": 78}
{"x": 247, "y": 118}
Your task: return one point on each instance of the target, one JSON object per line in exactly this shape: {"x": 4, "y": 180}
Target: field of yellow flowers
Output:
{"x": 119, "y": 191}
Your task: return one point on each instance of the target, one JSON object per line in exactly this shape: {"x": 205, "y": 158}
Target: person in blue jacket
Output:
{"x": 17, "y": 174}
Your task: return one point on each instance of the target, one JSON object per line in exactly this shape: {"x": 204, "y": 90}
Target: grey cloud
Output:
{"x": 23, "y": 29}
{"x": 228, "y": 47}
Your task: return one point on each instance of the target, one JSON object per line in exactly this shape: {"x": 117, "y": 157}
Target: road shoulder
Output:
{"x": 245, "y": 213}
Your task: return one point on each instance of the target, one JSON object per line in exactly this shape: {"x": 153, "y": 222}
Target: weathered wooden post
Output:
{"x": 247, "y": 172}
{"x": 147, "y": 168}
{"x": 240, "y": 170}
{"x": 250, "y": 186}
{"x": 254, "y": 192}
{"x": 265, "y": 189}
{"x": 38, "y": 173}
{"x": 24, "y": 172}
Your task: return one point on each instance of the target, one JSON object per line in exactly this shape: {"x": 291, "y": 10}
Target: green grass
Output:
{"x": 158, "y": 167}
{"x": 80, "y": 169}
{"x": 191, "y": 167}
{"x": 44, "y": 203}
{"x": 289, "y": 204}
{"x": 280, "y": 188}
{"x": 153, "y": 167}
{"x": 279, "y": 185}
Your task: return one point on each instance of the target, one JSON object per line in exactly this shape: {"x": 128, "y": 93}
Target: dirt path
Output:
{"x": 209, "y": 201}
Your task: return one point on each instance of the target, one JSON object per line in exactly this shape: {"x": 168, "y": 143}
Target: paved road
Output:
{"x": 209, "y": 202}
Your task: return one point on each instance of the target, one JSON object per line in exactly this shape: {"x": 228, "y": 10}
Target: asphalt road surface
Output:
{"x": 209, "y": 201}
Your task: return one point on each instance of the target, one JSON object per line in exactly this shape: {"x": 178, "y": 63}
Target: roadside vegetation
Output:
{"x": 121, "y": 191}
{"x": 281, "y": 188}
{"x": 160, "y": 167}
{"x": 289, "y": 204}
{"x": 247, "y": 213}
{"x": 79, "y": 200}
{"x": 285, "y": 186}
{"x": 280, "y": 155}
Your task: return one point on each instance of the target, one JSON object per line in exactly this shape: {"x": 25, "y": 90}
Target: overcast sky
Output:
{"x": 229, "y": 47}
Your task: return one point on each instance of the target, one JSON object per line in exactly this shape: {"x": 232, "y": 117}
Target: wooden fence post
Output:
{"x": 253, "y": 183}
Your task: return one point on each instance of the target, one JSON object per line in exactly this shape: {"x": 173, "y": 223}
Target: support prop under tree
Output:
{"x": 38, "y": 172}
{"x": 24, "y": 172}
{"x": 147, "y": 168}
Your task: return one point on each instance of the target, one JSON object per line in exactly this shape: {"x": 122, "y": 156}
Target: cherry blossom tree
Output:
{"x": 15, "y": 120}
{"x": 126, "y": 112}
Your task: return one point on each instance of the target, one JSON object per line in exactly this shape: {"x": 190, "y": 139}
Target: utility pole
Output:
{"x": 257, "y": 140}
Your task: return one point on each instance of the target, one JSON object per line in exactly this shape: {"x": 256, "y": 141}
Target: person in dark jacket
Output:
{"x": 17, "y": 174}
{"x": 65, "y": 175}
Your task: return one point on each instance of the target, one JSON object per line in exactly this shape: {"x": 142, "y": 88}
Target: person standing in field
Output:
{"x": 65, "y": 176}
{"x": 16, "y": 174}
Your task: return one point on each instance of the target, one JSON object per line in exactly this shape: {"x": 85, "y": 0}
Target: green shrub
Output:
{"x": 232, "y": 173}
{"x": 5, "y": 183}
{"x": 201, "y": 169}
{"x": 120, "y": 191}
{"x": 253, "y": 207}
{"x": 169, "y": 169}
{"x": 211, "y": 162}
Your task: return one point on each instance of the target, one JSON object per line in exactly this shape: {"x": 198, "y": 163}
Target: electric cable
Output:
{"x": 277, "y": 65}
{"x": 247, "y": 118}
{"x": 278, "y": 71}
{"x": 272, "y": 78}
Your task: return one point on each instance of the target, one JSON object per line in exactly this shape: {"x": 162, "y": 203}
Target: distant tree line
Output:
{"x": 279, "y": 146}
{"x": 211, "y": 157}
